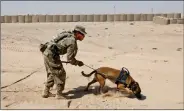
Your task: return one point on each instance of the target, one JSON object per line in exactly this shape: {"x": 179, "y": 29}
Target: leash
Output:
{"x": 89, "y": 67}
{"x": 22, "y": 78}
{"x": 84, "y": 64}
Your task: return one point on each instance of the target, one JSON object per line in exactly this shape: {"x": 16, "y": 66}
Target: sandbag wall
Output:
{"x": 173, "y": 17}
{"x": 165, "y": 19}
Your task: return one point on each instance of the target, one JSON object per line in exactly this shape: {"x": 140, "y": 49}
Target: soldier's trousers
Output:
{"x": 55, "y": 75}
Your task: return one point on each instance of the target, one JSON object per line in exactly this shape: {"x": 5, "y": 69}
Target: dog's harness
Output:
{"x": 124, "y": 73}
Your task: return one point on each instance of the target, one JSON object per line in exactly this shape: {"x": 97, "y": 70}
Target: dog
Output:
{"x": 103, "y": 73}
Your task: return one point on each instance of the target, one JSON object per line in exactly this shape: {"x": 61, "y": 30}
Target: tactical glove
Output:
{"x": 80, "y": 63}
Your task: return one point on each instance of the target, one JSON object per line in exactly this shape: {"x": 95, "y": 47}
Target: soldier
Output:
{"x": 64, "y": 43}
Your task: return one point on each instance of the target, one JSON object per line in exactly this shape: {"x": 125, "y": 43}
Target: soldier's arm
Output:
{"x": 71, "y": 53}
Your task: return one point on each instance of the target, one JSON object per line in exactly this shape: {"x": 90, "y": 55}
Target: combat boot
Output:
{"x": 46, "y": 92}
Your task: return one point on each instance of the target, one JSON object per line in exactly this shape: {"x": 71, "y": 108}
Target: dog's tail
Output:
{"x": 88, "y": 75}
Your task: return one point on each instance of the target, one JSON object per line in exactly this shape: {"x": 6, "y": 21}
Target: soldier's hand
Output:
{"x": 80, "y": 63}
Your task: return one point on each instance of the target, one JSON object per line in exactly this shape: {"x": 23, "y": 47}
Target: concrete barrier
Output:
{"x": 180, "y": 21}
{"x": 137, "y": 17}
{"x": 21, "y": 18}
{"x": 117, "y": 17}
{"x": 170, "y": 15}
{"x": 7, "y": 19}
{"x": 157, "y": 14}
{"x": 110, "y": 18}
{"x": 14, "y": 18}
{"x": 69, "y": 18}
{"x": 35, "y": 18}
{"x": 143, "y": 17}
{"x": 123, "y": 17}
{"x": 62, "y": 18}
{"x": 173, "y": 21}
{"x": 2, "y": 19}
{"x": 96, "y": 18}
{"x": 130, "y": 17}
{"x": 76, "y": 18}
{"x": 90, "y": 18}
{"x": 55, "y": 18}
{"x": 103, "y": 18}
{"x": 83, "y": 18}
{"x": 164, "y": 15}
{"x": 161, "y": 20}
{"x": 150, "y": 17}
{"x": 41, "y": 18}
{"x": 49, "y": 18}
{"x": 177, "y": 15}
{"x": 28, "y": 18}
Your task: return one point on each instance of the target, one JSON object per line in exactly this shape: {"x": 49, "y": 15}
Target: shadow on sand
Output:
{"x": 79, "y": 92}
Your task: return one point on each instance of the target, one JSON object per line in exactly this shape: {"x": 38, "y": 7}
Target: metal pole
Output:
{"x": 114, "y": 12}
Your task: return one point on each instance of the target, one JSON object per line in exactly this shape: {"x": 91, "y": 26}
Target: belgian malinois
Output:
{"x": 103, "y": 73}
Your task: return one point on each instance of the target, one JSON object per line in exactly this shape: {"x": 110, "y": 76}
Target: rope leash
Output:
{"x": 89, "y": 67}
{"x": 84, "y": 65}
{"x": 22, "y": 78}
{"x": 35, "y": 72}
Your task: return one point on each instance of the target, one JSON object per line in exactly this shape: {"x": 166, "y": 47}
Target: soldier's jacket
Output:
{"x": 66, "y": 44}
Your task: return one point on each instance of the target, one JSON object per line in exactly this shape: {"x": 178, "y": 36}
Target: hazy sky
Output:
{"x": 89, "y": 7}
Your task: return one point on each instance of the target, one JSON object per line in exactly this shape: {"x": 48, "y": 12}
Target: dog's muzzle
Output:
{"x": 138, "y": 95}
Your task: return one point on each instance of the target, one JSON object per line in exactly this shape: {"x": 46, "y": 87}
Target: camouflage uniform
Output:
{"x": 64, "y": 43}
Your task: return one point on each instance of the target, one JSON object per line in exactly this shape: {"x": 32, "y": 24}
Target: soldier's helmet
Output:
{"x": 81, "y": 29}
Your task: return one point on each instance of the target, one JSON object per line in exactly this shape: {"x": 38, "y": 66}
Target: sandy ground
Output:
{"x": 152, "y": 53}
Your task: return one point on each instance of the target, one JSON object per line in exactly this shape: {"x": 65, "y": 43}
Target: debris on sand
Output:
{"x": 165, "y": 60}
{"x": 179, "y": 49}
{"x": 9, "y": 104}
{"x": 4, "y": 97}
{"x": 78, "y": 105}
{"x": 110, "y": 47}
{"x": 131, "y": 23}
{"x": 106, "y": 28}
{"x": 154, "y": 48}
{"x": 69, "y": 102}
{"x": 155, "y": 61}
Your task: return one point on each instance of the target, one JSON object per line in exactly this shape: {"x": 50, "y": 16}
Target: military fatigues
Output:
{"x": 64, "y": 43}
{"x": 55, "y": 71}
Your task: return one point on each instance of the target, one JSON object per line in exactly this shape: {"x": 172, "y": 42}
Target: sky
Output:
{"x": 89, "y": 7}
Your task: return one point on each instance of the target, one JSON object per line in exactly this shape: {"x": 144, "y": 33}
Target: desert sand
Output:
{"x": 153, "y": 54}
